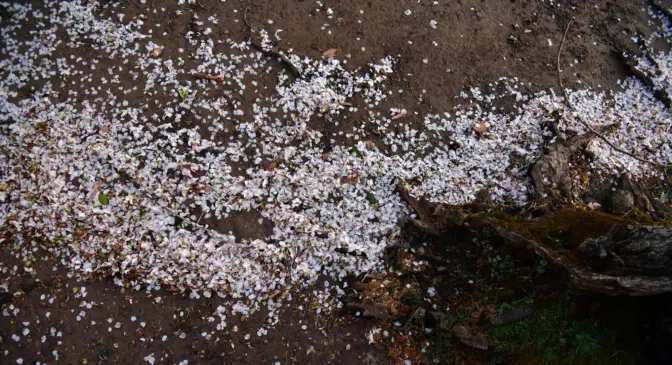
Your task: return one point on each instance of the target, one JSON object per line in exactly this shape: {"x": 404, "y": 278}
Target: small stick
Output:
{"x": 245, "y": 18}
{"x": 585, "y": 124}
{"x": 219, "y": 78}
{"x": 272, "y": 52}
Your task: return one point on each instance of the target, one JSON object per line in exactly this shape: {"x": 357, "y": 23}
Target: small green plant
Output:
{"x": 551, "y": 336}
{"x": 412, "y": 300}
{"x": 441, "y": 347}
{"x": 583, "y": 339}
{"x": 502, "y": 265}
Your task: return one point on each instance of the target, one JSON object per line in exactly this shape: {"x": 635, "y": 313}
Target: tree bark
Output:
{"x": 648, "y": 250}
{"x": 645, "y": 250}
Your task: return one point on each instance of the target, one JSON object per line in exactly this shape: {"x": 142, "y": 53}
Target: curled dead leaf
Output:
{"x": 350, "y": 179}
{"x": 399, "y": 116}
{"x": 325, "y": 157}
{"x": 370, "y": 145}
{"x": 325, "y": 107}
{"x": 272, "y": 166}
{"x": 197, "y": 173}
{"x": 480, "y": 128}
{"x": 105, "y": 129}
{"x": 157, "y": 52}
{"x": 330, "y": 52}
{"x": 345, "y": 103}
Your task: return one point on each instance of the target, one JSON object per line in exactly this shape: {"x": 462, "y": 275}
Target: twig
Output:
{"x": 245, "y": 18}
{"x": 272, "y": 52}
{"x": 408, "y": 323}
{"x": 219, "y": 78}
{"x": 578, "y": 115}
{"x": 618, "y": 258}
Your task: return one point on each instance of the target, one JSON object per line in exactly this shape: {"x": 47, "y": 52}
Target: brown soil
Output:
{"x": 479, "y": 40}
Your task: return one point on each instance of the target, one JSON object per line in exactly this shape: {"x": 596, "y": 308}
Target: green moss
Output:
{"x": 563, "y": 229}
{"x": 637, "y": 216}
{"x": 551, "y": 336}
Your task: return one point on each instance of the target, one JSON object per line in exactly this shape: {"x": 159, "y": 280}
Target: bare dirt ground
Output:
{"x": 475, "y": 42}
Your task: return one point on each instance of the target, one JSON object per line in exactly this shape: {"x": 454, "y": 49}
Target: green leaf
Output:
{"x": 356, "y": 151}
{"x": 183, "y": 93}
{"x": 111, "y": 38}
{"x": 104, "y": 199}
{"x": 371, "y": 198}
{"x": 75, "y": 290}
{"x": 180, "y": 63}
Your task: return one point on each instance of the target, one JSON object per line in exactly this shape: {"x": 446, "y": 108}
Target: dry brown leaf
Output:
{"x": 325, "y": 107}
{"x": 399, "y": 116}
{"x": 480, "y": 128}
{"x": 370, "y": 145}
{"x": 272, "y": 166}
{"x": 345, "y": 103}
{"x": 105, "y": 129}
{"x": 350, "y": 179}
{"x": 330, "y": 52}
{"x": 157, "y": 52}
{"x": 325, "y": 157}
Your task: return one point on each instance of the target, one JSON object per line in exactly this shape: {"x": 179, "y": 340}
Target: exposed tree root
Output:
{"x": 632, "y": 261}
{"x": 584, "y": 278}
{"x": 550, "y": 173}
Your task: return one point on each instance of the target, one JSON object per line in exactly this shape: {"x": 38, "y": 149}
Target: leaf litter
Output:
{"x": 122, "y": 182}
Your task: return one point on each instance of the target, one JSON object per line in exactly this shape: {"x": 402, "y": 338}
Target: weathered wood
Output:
{"x": 550, "y": 173}
{"x": 644, "y": 250}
